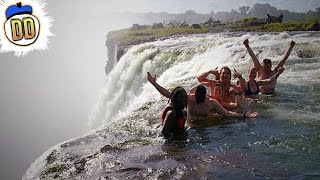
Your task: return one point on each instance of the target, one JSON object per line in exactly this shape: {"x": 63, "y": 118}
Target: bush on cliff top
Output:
{"x": 127, "y": 36}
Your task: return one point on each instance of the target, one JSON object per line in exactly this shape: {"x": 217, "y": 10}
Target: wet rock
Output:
{"x": 56, "y": 170}
{"x": 51, "y": 157}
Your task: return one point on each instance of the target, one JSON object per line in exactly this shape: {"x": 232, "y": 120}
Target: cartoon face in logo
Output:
{"x": 21, "y": 27}
{"x": 24, "y": 26}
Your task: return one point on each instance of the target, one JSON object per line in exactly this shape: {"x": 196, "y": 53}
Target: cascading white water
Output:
{"x": 127, "y": 142}
{"x": 177, "y": 61}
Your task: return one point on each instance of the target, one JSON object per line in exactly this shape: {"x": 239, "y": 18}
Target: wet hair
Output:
{"x": 226, "y": 68}
{"x": 174, "y": 99}
{"x": 200, "y": 93}
{"x": 175, "y": 92}
{"x": 267, "y": 61}
{"x": 217, "y": 84}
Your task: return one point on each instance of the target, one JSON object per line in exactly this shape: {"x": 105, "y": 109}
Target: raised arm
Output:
{"x": 255, "y": 60}
{"x": 225, "y": 113}
{"x": 161, "y": 89}
{"x": 270, "y": 80}
{"x": 242, "y": 82}
{"x": 281, "y": 63}
{"x": 193, "y": 89}
{"x": 203, "y": 77}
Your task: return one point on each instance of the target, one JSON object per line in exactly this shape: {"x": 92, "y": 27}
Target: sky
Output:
{"x": 46, "y": 96}
{"x": 203, "y": 6}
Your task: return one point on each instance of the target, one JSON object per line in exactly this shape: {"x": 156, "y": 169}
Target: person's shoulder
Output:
{"x": 192, "y": 97}
{"x": 212, "y": 101}
{"x": 171, "y": 113}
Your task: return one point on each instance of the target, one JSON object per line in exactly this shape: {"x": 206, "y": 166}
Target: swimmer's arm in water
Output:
{"x": 233, "y": 105}
{"x": 270, "y": 80}
{"x": 168, "y": 125}
{"x": 230, "y": 105}
{"x": 281, "y": 63}
{"x": 255, "y": 60}
{"x": 221, "y": 110}
{"x": 225, "y": 113}
{"x": 236, "y": 103}
{"x": 161, "y": 89}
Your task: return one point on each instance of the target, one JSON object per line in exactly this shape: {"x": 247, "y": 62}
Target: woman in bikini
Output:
{"x": 251, "y": 87}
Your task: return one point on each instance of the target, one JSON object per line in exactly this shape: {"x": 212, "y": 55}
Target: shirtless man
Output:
{"x": 199, "y": 105}
{"x": 251, "y": 87}
{"x": 230, "y": 91}
{"x": 264, "y": 70}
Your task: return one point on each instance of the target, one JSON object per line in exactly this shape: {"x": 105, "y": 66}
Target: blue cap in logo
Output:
{"x": 18, "y": 9}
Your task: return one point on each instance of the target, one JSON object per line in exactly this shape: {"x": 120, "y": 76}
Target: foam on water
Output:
{"x": 177, "y": 61}
{"x": 281, "y": 144}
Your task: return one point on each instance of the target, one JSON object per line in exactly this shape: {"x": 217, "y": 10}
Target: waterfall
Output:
{"x": 177, "y": 61}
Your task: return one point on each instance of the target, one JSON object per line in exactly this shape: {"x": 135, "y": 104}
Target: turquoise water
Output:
{"x": 284, "y": 143}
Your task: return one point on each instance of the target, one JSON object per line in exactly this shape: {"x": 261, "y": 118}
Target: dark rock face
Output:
{"x": 111, "y": 45}
{"x": 117, "y": 50}
{"x": 120, "y": 53}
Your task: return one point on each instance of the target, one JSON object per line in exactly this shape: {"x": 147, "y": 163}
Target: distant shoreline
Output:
{"x": 145, "y": 33}
{"x": 119, "y": 41}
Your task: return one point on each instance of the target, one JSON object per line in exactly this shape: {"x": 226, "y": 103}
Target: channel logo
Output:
{"x": 21, "y": 28}
{"x": 25, "y": 27}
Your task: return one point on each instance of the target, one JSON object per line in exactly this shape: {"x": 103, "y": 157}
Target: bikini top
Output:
{"x": 248, "y": 92}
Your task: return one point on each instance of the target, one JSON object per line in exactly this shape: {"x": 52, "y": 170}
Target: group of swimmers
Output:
{"x": 224, "y": 97}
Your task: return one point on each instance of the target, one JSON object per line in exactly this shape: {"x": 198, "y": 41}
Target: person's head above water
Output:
{"x": 252, "y": 73}
{"x": 225, "y": 75}
{"x": 179, "y": 98}
{"x": 267, "y": 65}
{"x": 218, "y": 90}
{"x": 200, "y": 93}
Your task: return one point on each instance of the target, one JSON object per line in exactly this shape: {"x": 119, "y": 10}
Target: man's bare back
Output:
{"x": 199, "y": 109}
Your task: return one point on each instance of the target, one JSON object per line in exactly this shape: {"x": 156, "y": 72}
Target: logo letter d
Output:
{"x": 16, "y": 29}
{"x": 29, "y": 28}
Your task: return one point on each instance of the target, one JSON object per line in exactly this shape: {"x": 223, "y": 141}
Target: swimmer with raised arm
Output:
{"x": 264, "y": 71}
{"x": 230, "y": 91}
{"x": 251, "y": 87}
{"x": 199, "y": 104}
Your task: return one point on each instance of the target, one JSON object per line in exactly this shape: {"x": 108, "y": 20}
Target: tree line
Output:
{"x": 257, "y": 11}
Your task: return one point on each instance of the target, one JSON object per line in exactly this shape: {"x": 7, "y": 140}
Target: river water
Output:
{"x": 125, "y": 141}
